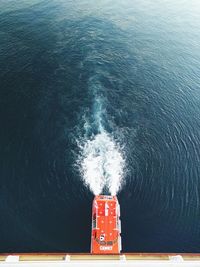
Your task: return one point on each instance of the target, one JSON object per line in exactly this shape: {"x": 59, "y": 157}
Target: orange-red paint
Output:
{"x": 106, "y": 225}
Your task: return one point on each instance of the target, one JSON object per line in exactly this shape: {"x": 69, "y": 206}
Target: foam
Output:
{"x": 101, "y": 163}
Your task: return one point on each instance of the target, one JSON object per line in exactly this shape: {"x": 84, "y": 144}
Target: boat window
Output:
{"x": 94, "y": 223}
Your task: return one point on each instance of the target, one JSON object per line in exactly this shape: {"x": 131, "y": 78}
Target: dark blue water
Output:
{"x": 109, "y": 73}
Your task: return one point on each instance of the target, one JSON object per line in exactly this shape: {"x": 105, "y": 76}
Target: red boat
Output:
{"x": 106, "y": 225}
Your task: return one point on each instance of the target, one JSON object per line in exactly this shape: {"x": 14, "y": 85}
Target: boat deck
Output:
{"x": 82, "y": 259}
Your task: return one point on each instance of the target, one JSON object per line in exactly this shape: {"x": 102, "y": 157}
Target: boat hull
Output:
{"x": 106, "y": 225}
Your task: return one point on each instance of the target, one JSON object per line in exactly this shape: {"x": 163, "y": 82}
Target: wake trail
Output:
{"x": 101, "y": 160}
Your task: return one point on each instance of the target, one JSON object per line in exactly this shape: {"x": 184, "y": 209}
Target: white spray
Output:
{"x": 101, "y": 162}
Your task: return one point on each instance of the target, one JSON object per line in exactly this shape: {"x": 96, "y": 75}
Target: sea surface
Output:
{"x": 99, "y": 97}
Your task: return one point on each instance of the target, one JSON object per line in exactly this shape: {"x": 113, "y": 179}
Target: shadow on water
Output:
{"x": 43, "y": 201}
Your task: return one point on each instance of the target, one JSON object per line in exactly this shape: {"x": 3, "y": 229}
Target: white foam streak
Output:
{"x": 102, "y": 164}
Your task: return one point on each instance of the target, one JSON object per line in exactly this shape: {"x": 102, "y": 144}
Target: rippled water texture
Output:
{"x": 99, "y": 97}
